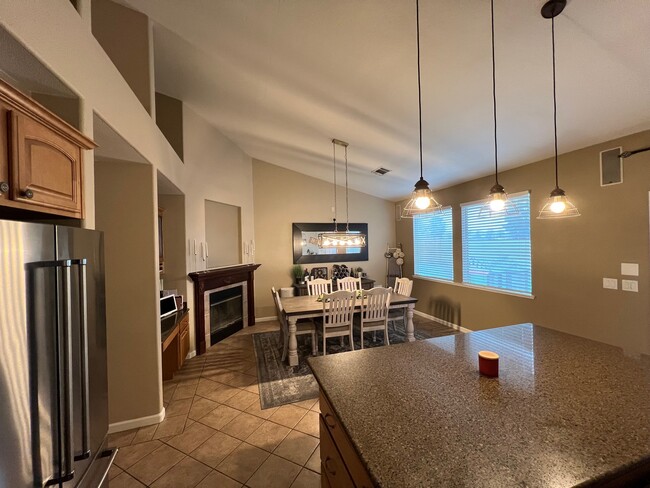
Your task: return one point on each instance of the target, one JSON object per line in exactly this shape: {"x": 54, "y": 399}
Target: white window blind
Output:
{"x": 496, "y": 246}
{"x": 433, "y": 245}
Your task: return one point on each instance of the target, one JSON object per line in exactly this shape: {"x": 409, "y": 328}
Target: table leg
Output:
{"x": 410, "y": 329}
{"x": 293, "y": 343}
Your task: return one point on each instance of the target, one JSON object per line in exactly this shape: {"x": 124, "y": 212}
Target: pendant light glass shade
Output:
{"x": 497, "y": 200}
{"x": 341, "y": 239}
{"x": 422, "y": 200}
{"x": 557, "y": 205}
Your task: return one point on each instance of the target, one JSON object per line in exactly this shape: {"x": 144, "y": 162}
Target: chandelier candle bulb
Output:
{"x": 488, "y": 363}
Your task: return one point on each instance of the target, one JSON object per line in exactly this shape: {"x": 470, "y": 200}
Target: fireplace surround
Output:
{"x": 211, "y": 281}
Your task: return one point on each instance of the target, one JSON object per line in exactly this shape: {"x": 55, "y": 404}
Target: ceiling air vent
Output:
{"x": 381, "y": 171}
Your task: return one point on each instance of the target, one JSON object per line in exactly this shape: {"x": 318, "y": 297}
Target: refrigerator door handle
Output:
{"x": 85, "y": 396}
{"x": 65, "y": 386}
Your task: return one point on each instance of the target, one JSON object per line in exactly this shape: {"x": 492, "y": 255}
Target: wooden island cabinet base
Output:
{"x": 340, "y": 463}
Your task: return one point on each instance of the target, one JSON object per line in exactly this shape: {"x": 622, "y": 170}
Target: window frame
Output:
{"x": 463, "y": 241}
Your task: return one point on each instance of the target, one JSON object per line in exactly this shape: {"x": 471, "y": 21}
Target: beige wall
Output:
{"x": 570, "y": 257}
{"x": 283, "y": 197}
{"x": 175, "y": 275}
{"x": 126, "y": 212}
{"x": 214, "y": 169}
{"x": 222, "y": 234}
{"x": 124, "y": 35}
{"x": 169, "y": 118}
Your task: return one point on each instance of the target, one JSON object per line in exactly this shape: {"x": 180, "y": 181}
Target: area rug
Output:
{"x": 280, "y": 383}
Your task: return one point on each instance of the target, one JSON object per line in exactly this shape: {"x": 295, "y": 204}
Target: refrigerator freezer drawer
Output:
{"x": 97, "y": 475}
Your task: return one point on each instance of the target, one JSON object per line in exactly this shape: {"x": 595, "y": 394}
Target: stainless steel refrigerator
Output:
{"x": 53, "y": 381}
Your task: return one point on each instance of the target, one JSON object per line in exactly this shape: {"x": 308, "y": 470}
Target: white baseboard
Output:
{"x": 440, "y": 321}
{"x": 265, "y": 319}
{"x": 135, "y": 423}
{"x": 190, "y": 354}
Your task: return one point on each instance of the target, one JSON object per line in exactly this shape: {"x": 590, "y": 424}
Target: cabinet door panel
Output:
{"x": 46, "y": 167}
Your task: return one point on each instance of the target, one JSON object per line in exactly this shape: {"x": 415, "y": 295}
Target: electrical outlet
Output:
{"x": 610, "y": 283}
{"x": 630, "y": 285}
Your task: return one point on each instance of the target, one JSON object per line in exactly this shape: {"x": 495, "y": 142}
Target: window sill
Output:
{"x": 475, "y": 287}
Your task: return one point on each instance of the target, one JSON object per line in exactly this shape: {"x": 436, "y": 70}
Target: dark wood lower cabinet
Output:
{"x": 340, "y": 463}
{"x": 176, "y": 347}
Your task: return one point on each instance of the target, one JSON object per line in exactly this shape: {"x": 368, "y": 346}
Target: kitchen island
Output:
{"x": 563, "y": 411}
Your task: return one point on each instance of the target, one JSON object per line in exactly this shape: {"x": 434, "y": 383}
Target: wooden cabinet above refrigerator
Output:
{"x": 41, "y": 159}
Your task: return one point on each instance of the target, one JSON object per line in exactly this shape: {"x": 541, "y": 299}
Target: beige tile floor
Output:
{"x": 216, "y": 435}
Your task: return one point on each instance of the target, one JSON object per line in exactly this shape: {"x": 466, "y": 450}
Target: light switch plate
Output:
{"x": 629, "y": 269}
{"x": 610, "y": 283}
{"x": 630, "y": 285}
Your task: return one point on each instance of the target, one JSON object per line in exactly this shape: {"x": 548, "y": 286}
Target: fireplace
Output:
{"x": 224, "y": 302}
{"x": 226, "y": 310}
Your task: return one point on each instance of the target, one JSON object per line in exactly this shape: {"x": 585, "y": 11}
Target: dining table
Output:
{"x": 307, "y": 307}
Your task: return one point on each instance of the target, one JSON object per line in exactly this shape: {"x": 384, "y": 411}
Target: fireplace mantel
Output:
{"x": 215, "y": 278}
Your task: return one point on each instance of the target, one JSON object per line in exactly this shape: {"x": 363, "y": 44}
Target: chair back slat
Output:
{"x": 348, "y": 283}
{"x": 319, "y": 286}
{"x": 403, "y": 286}
{"x": 374, "y": 307}
{"x": 338, "y": 308}
{"x": 279, "y": 309}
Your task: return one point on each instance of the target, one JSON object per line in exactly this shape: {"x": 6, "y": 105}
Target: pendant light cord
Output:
{"x": 334, "y": 159}
{"x": 417, "y": 22}
{"x": 557, "y": 185}
{"x": 494, "y": 99}
{"x": 347, "y": 202}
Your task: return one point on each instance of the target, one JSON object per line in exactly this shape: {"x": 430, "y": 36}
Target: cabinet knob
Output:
{"x": 4, "y": 187}
{"x": 328, "y": 466}
{"x": 329, "y": 420}
{"x": 28, "y": 193}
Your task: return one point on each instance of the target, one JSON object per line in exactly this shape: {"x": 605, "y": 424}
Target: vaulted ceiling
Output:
{"x": 281, "y": 78}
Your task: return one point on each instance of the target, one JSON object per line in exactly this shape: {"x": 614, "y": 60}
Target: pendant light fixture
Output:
{"x": 497, "y": 200}
{"x": 557, "y": 204}
{"x": 422, "y": 201}
{"x": 341, "y": 239}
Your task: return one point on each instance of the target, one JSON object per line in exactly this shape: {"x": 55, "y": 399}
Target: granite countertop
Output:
{"x": 167, "y": 324}
{"x": 564, "y": 410}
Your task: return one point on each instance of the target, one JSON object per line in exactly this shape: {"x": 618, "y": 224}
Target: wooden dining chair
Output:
{"x": 302, "y": 328}
{"x": 338, "y": 315}
{"x": 403, "y": 286}
{"x": 374, "y": 312}
{"x": 319, "y": 286}
{"x": 278, "y": 313}
{"x": 349, "y": 283}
